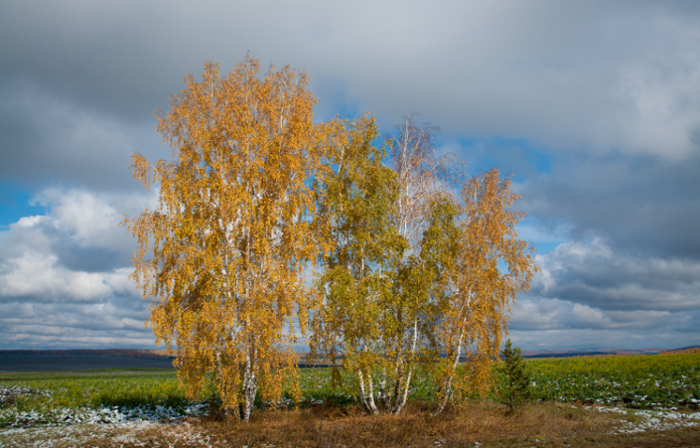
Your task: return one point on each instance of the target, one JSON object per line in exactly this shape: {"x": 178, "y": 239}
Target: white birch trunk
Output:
{"x": 372, "y": 405}
{"x": 367, "y": 399}
{"x": 250, "y": 386}
{"x": 402, "y": 388}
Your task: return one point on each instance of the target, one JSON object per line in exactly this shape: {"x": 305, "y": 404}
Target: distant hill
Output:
{"x": 686, "y": 350}
{"x": 125, "y": 352}
{"x": 83, "y": 359}
{"x": 564, "y": 353}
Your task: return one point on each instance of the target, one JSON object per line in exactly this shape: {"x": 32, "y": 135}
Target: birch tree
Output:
{"x": 409, "y": 315}
{"x": 413, "y": 158}
{"x": 356, "y": 193}
{"x": 490, "y": 266}
{"x": 224, "y": 251}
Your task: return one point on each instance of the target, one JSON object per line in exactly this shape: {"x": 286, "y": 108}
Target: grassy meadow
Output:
{"x": 572, "y": 399}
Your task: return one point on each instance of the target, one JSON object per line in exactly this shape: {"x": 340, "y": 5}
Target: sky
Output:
{"x": 593, "y": 106}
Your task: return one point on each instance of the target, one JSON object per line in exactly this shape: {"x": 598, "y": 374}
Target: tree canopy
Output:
{"x": 418, "y": 263}
{"x": 230, "y": 237}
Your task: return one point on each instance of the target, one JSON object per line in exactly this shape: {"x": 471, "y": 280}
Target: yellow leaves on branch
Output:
{"x": 256, "y": 193}
{"x": 491, "y": 266}
{"x": 225, "y": 250}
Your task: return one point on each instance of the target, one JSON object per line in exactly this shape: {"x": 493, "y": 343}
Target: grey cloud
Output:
{"x": 540, "y": 315}
{"x": 102, "y": 56}
{"x": 588, "y": 295}
{"x": 111, "y": 322}
{"x": 46, "y": 138}
{"x": 591, "y": 274}
{"x": 544, "y": 323}
{"x": 641, "y": 205}
{"x": 567, "y": 75}
{"x": 90, "y": 259}
{"x": 598, "y": 339}
{"x": 537, "y": 314}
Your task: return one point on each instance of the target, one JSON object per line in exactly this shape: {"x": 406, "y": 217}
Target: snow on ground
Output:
{"x": 139, "y": 433}
{"x": 651, "y": 420}
{"x": 69, "y": 416}
{"x": 62, "y": 427}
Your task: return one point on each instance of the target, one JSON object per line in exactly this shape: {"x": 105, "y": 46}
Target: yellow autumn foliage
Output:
{"x": 224, "y": 253}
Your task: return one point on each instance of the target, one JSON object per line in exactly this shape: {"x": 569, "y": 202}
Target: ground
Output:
{"x": 475, "y": 425}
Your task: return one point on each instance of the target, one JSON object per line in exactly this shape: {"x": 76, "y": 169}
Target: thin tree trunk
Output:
{"x": 447, "y": 386}
{"x": 382, "y": 390}
{"x": 401, "y": 401}
{"x": 401, "y": 396}
{"x": 363, "y": 397}
{"x": 367, "y": 399}
{"x": 372, "y": 405}
{"x": 250, "y": 386}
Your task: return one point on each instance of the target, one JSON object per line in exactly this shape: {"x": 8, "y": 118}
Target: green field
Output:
{"x": 634, "y": 381}
{"x": 655, "y": 381}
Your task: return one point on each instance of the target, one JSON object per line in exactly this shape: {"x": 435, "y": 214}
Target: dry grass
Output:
{"x": 479, "y": 424}
{"x": 483, "y": 423}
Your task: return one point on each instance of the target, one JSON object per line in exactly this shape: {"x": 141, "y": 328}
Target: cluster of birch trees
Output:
{"x": 270, "y": 225}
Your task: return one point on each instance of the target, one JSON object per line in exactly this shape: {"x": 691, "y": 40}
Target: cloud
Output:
{"x": 591, "y": 274}
{"x": 539, "y": 322}
{"x": 641, "y": 205}
{"x": 586, "y": 290}
{"x": 663, "y": 118}
{"x": 42, "y": 255}
{"x": 64, "y": 275}
{"x": 48, "y": 138}
{"x": 90, "y": 219}
{"x": 37, "y": 275}
{"x": 535, "y": 232}
{"x": 594, "y": 338}
{"x": 600, "y": 76}
{"x": 536, "y": 313}
{"x": 595, "y": 105}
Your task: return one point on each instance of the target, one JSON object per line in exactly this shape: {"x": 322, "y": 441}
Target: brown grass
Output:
{"x": 489, "y": 424}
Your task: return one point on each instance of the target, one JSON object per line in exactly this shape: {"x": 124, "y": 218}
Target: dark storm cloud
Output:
{"x": 102, "y": 56}
{"x": 80, "y": 80}
{"x": 48, "y": 139}
{"x": 566, "y": 74}
{"x": 591, "y": 274}
{"x": 644, "y": 205}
